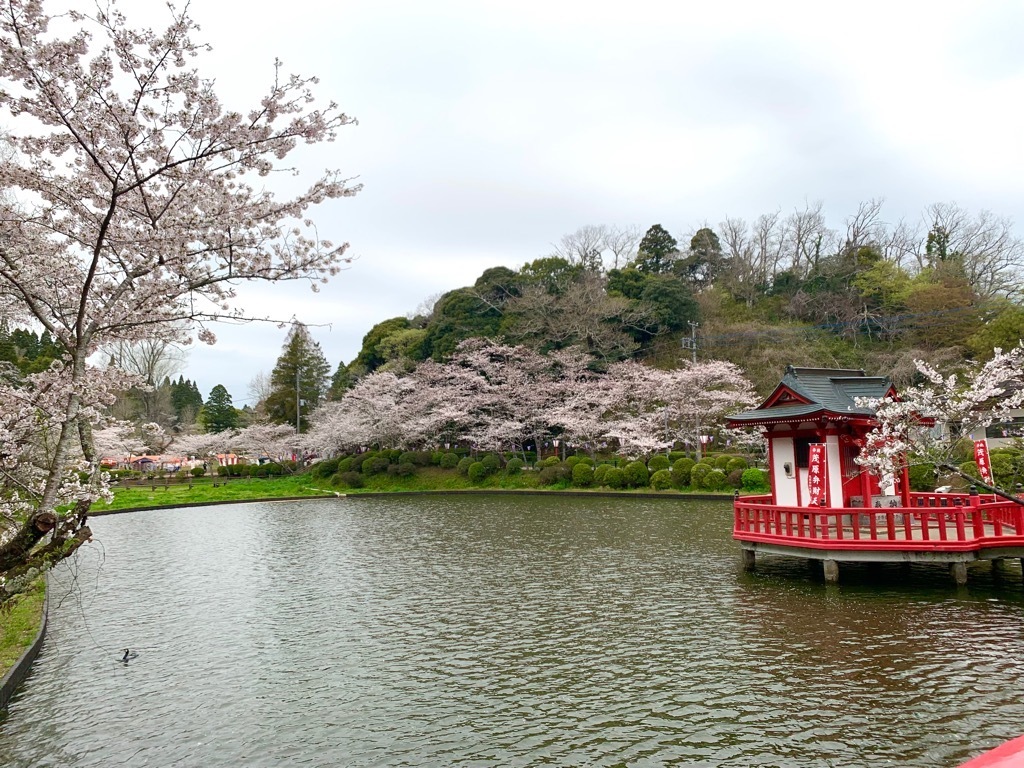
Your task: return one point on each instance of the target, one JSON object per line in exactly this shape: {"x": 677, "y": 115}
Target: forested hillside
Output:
{"x": 764, "y": 293}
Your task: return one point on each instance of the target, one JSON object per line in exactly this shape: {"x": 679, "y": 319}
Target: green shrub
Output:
{"x": 582, "y": 475}
{"x": 477, "y": 471}
{"x": 491, "y": 463}
{"x": 222, "y": 471}
{"x": 464, "y": 464}
{"x": 448, "y": 461}
{"x": 550, "y": 461}
{"x": 572, "y": 461}
{"x": 698, "y": 473}
{"x": 356, "y": 465}
{"x": 263, "y": 470}
{"x": 615, "y": 478}
{"x": 325, "y": 468}
{"x": 554, "y": 475}
{"x": 971, "y": 469}
{"x": 198, "y": 471}
{"x": 586, "y": 460}
{"x": 122, "y": 474}
{"x": 722, "y": 462}
{"x": 599, "y": 472}
{"x": 402, "y": 469}
{"x": 735, "y": 478}
{"x": 674, "y": 456}
{"x": 661, "y": 480}
{"x": 658, "y": 463}
{"x": 375, "y": 466}
{"x": 348, "y": 480}
{"x": 418, "y": 458}
{"x": 736, "y": 463}
{"x": 636, "y": 474}
{"x": 754, "y": 479}
{"x": 681, "y": 469}
{"x": 715, "y": 480}
{"x": 514, "y": 466}
{"x": 345, "y": 465}
{"x": 393, "y": 456}
{"x": 1002, "y": 470}
{"x": 922, "y": 477}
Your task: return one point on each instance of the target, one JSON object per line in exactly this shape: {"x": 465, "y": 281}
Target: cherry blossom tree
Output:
{"x": 119, "y": 440}
{"x": 699, "y": 395}
{"x": 924, "y": 423}
{"x": 135, "y": 203}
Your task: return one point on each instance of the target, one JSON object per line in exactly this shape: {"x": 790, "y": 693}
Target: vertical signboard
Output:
{"x": 981, "y": 459}
{"x": 817, "y": 475}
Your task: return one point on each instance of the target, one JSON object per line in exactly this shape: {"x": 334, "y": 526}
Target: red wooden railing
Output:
{"x": 949, "y": 522}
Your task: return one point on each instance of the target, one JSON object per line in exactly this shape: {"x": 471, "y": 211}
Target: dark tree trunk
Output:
{"x": 17, "y": 549}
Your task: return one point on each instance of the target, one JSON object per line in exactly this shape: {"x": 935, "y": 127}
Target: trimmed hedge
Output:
{"x": 661, "y": 480}
{"x": 754, "y": 479}
{"x": 658, "y": 463}
{"x": 681, "y": 469}
{"x": 736, "y": 463}
{"x": 615, "y": 478}
{"x": 715, "y": 480}
{"x": 698, "y": 473}
{"x": 636, "y": 474}
{"x": 582, "y": 475}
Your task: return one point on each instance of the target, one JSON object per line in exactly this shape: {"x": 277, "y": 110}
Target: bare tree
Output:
{"x": 621, "y": 244}
{"x": 991, "y": 255}
{"x": 808, "y": 238}
{"x": 583, "y": 247}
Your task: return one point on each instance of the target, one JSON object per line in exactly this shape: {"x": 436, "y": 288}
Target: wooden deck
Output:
{"x": 948, "y": 528}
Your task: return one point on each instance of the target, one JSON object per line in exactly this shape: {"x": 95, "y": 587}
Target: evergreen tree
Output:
{"x": 657, "y": 251}
{"x": 218, "y": 413}
{"x": 300, "y": 377}
{"x": 186, "y": 400}
{"x": 341, "y": 382}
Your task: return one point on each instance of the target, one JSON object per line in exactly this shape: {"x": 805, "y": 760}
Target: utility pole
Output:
{"x": 691, "y": 344}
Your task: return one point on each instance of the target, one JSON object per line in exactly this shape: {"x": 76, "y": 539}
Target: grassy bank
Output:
{"x": 211, "y": 491}
{"x": 19, "y": 623}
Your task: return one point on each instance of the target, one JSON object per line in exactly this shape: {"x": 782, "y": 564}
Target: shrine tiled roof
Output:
{"x": 811, "y": 392}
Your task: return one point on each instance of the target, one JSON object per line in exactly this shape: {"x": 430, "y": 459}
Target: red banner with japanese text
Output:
{"x": 817, "y": 476}
{"x": 981, "y": 459}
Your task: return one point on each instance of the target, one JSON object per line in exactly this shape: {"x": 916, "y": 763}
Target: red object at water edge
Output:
{"x": 1008, "y": 755}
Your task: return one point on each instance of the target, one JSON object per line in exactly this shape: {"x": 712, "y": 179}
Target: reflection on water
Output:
{"x": 483, "y": 631}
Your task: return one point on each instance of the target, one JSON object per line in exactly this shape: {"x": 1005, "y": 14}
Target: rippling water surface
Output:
{"x": 486, "y": 631}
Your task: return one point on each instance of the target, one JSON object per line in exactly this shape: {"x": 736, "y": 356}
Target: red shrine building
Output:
{"x": 824, "y": 506}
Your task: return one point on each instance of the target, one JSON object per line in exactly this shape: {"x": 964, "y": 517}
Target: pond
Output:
{"x": 511, "y": 631}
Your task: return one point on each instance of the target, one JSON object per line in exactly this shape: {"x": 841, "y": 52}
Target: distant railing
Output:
{"x": 933, "y": 521}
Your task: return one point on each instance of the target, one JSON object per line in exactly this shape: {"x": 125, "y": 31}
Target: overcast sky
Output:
{"x": 487, "y": 130}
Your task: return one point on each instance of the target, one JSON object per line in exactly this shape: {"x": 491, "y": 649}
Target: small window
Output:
{"x": 847, "y": 453}
{"x": 802, "y": 448}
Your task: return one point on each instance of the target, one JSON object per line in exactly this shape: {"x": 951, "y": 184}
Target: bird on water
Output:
{"x": 128, "y": 655}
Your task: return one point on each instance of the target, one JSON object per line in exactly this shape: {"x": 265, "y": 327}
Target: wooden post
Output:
{"x": 749, "y": 558}
{"x": 959, "y": 573}
{"x": 831, "y": 569}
